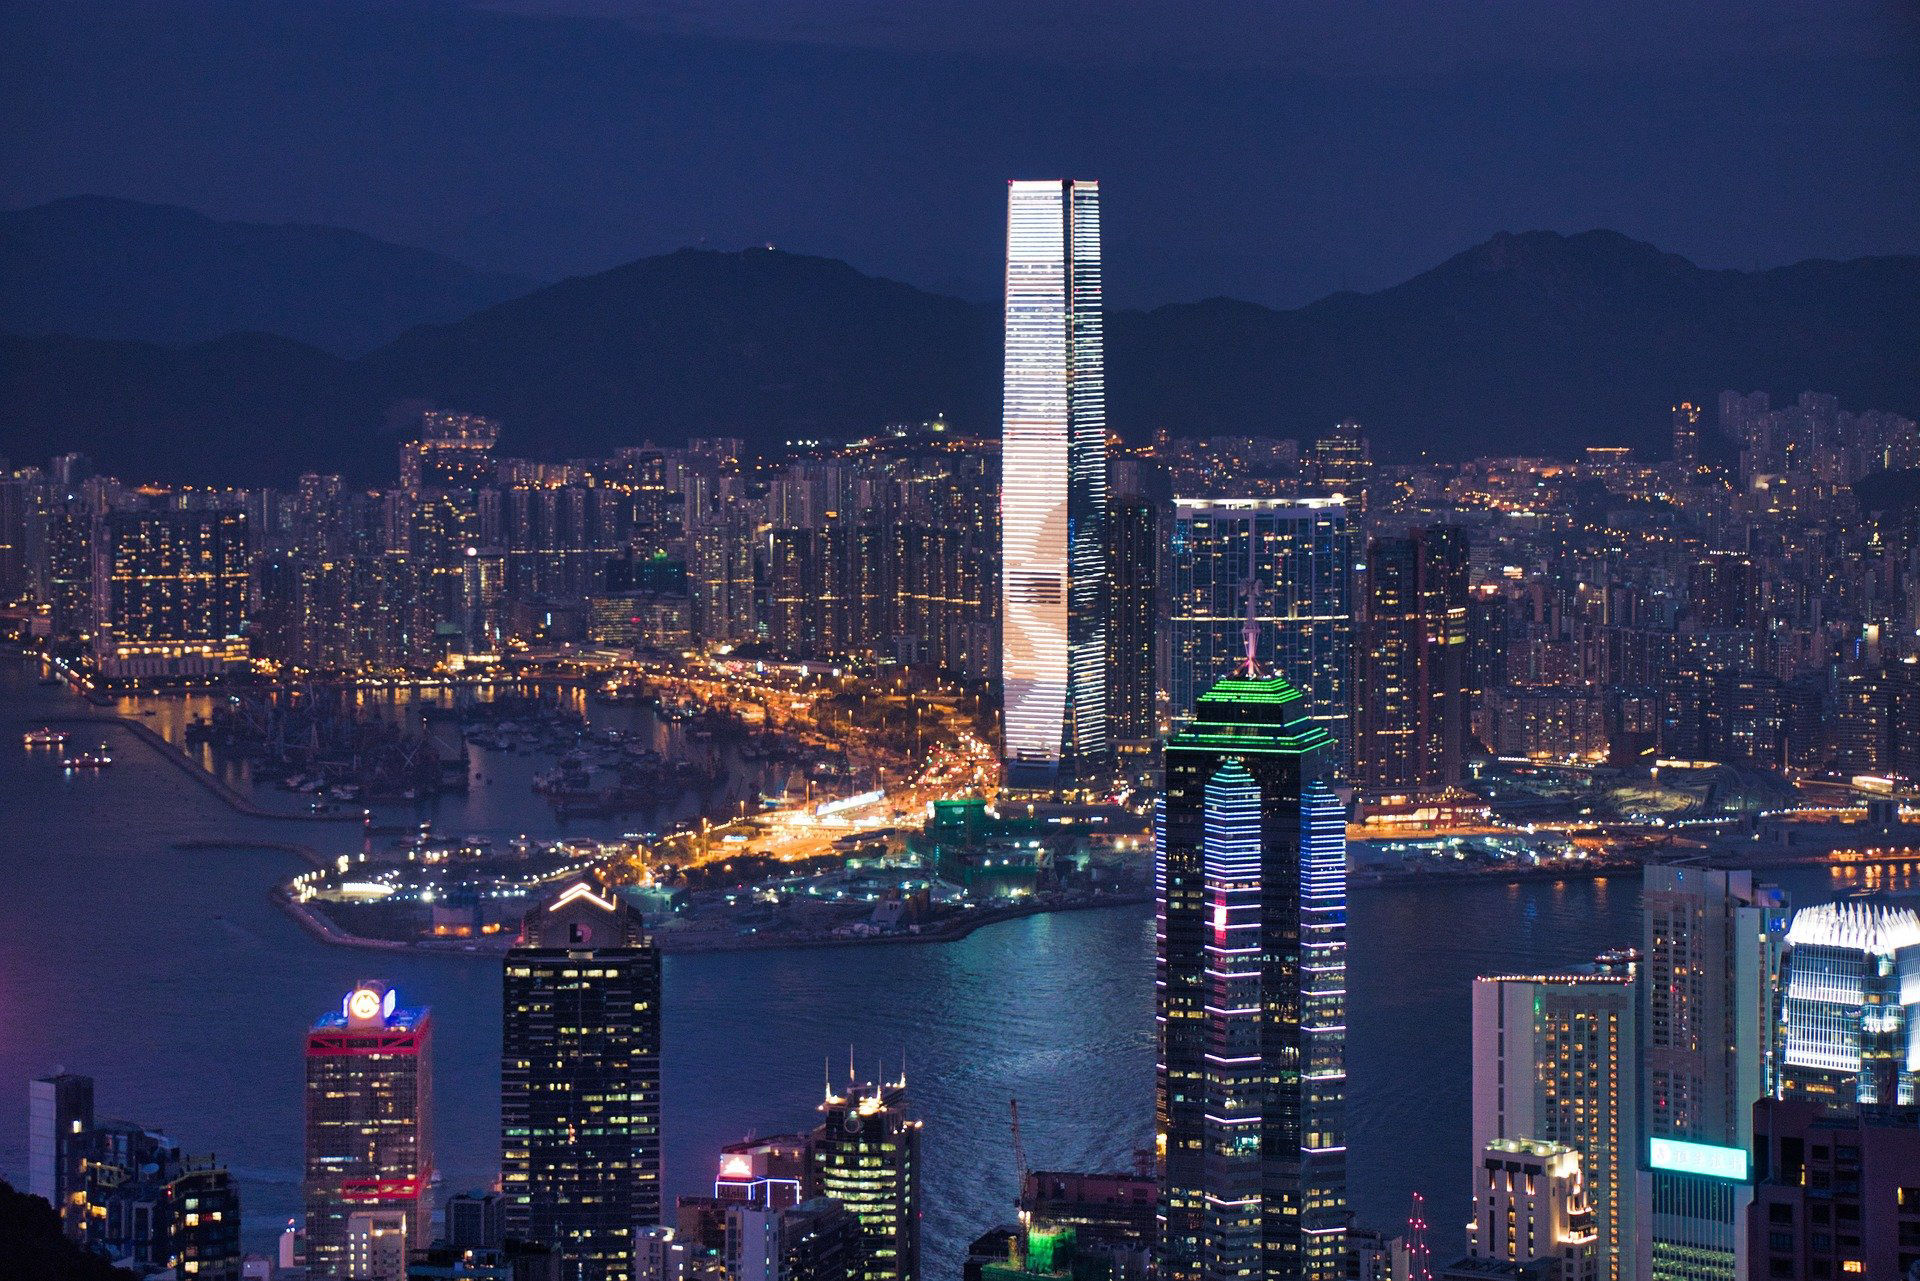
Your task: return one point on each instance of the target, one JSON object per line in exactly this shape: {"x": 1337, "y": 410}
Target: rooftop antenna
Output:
{"x": 1250, "y": 628}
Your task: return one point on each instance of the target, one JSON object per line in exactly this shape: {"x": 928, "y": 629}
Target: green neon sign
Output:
{"x": 1699, "y": 1158}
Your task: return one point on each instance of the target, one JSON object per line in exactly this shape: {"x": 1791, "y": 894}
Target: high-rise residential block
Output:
{"x": 1412, "y": 693}
{"x": 369, "y": 1184}
{"x": 580, "y": 1081}
{"x": 1530, "y": 1205}
{"x": 170, "y": 593}
{"x": 1296, "y": 559}
{"x": 59, "y": 1115}
{"x": 1053, "y": 496}
{"x": 1555, "y": 1061}
{"x": 1250, "y": 872}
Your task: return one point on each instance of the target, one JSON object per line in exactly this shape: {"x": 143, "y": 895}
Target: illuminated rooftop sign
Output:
{"x": 1699, "y": 1158}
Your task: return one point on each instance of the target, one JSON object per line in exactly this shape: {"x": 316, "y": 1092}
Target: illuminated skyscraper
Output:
{"x": 1053, "y": 497}
{"x": 170, "y": 593}
{"x": 1135, "y": 540}
{"x": 580, "y": 1082}
{"x": 1554, "y": 1061}
{"x": 1850, "y": 1008}
{"x": 1250, "y": 866}
{"x": 1298, "y": 554}
{"x": 866, "y": 1155}
{"x": 1711, "y": 942}
{"x": 369, "y": 1137}
{"x": 1412, "y": 704}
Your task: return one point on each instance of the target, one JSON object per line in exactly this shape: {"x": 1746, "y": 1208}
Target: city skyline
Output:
{"x": 734, "y": 766}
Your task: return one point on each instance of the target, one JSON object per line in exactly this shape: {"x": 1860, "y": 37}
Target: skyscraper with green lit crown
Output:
{"x": 1250, "y": 873}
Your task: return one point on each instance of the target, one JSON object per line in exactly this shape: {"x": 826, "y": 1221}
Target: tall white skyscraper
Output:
{"x": 1053, "y": 497}
{"x": 1712, "y": 943}
{"x": 1554, "y": 1060}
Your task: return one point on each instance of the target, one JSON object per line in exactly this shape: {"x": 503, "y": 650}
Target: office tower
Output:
{"x": 1554, "y": 1060}
{"x": 580, "y": 1081}
{"x": 814, "y": 1240}
{"x": 59, "y": 1114}
{"x": 369, "y": 1136}
{"x": 1710, "y": 945}
{"x": 1530, "y": 1204}
{"x": 1053, "y": 489}
{"x": 1850, "y": 1007}
{"x": 865, "y": 1154}
{"x": 1411, "y": 736}
{"x": 1834, "y": 1196}
{"x": 1134, "y": 542}
{"x": 1686, "y": 433}
{"x": 1250, "y": 1102}
{"x": 1298, "y": 558}
{"x": 170, "y": 594}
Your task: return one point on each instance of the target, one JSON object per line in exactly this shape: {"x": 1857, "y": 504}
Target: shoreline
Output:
{"x": 228, "y": 795}
{"x": 952, "y": 930}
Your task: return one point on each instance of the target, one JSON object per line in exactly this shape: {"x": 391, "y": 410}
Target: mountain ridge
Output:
{"x": 105, "y": 267}
{"x": 1531, "y": 342}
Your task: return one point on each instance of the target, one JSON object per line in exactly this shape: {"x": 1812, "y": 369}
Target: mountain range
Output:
{"x": 107, "y": 268}
{"x": 1535, "y": 342}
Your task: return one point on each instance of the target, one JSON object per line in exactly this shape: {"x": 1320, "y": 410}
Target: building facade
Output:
{"x": 1053, "y": 496}
{"x": 1531, "y": 1206}
{"x": 369, "y": 1137}
{"x": 1850, "y": 1007}
{"x": 1412, "y": 693}
{"x": 1710, "y": 942}
{"x": 1555, "y": 1061}
{"x": 865, "y": 1154}
{"x": 580, "y": 1082}
{"x": 1250, "y": 928}
{"x": 1298, "y": 556}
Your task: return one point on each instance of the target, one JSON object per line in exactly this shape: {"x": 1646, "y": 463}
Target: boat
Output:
{"x": 89, "y": 760}
{"x": 45, "y": 737}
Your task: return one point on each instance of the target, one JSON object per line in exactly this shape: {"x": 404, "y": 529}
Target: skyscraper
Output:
{"x": 369, "y": 1137}
{"x": 1134, "y": 542}
{"x": 1412, "y": 713}
{"x": 1250, "y": 854}
{"x": 1053, "y": 497}
{"x": 59, "y": 1114}
{"x": 865, "y": 1154}
{"x": 1850, "y": 1007}
{"x": 1554, "y": 1061}
{"x": 1298, "y": 556}
{"x": 170, "y": 593}
{"x": 580, "y": 1082}
{"x": 1710, "y": 944}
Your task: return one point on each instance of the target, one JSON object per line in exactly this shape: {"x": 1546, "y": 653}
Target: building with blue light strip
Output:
{"x": 1250, "y": 873}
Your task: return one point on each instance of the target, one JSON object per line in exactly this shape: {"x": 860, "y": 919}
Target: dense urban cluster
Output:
{"x": 1282, "y": 644}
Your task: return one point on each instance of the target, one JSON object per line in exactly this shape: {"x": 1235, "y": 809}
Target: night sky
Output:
{"x": 1267, "y": 149}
